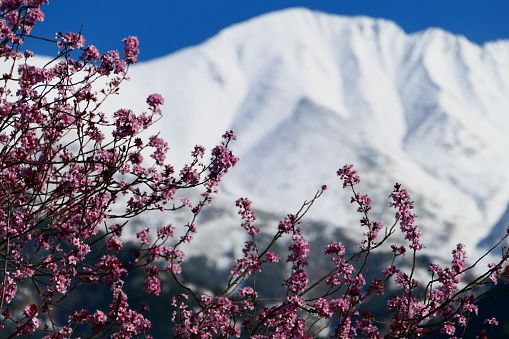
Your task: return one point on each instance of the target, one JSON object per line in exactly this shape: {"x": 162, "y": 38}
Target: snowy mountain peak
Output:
{"x": 307, "y": 92}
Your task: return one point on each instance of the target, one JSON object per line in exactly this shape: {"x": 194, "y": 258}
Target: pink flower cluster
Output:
{"x": 131, "y": 50}
{"x": 70, "y": 41}
{"x": 212, "y": 321}
{"x": 248, "y": 216}
{"x": 154, "y": 101}
{"x": 442, "y": 303}
{"x": 72, "y": 178}
{"x": 348, "y": 176}
{"x": 128, "y": 124}
{"x": 401, "y": 201}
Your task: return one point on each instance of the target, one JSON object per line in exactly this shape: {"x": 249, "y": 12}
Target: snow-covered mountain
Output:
{"x": 307, "y": 92}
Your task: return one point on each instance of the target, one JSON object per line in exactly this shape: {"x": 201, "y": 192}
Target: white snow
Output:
{"x": 307, "y": 92}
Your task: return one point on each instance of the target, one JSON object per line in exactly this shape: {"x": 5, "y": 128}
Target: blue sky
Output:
{"x": 171, "y": 25}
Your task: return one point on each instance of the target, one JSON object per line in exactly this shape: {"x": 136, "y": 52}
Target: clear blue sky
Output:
{"x": 166, "y": 26}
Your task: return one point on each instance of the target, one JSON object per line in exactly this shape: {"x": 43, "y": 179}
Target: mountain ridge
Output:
{"x": 426, "y": 109}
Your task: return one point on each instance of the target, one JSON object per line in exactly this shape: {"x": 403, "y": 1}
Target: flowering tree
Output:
{"x": 64, "y": 164}
{"x": 72, "y": 177}
{"x": 444, "y": 301}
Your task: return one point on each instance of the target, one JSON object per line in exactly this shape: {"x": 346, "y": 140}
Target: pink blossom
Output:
{"x": 152, "y": 285}
{"x": 271, "y": 257}
{"x": 136, "y": 158}
{"x": 299, "y": 250}
{"x": 247, "y": 292}
{"x": 492, "y": 321}
{"x": 402, "y": 202}
{"x": 131, "y": 50}
{"x": 33, "y": 15}
{"x": 459, "y": 259}
{"x": 248, "y": 216}
{"x": 71, "y": 40}
{"x": 113, "y": 244}
{"x": 335, "y": 248}
{"x": 297, "y": 281}
{"x": 98, "y": 317}
{"x": 348, "y": 176}
{"x": 155, "y": 100}
{"x": 91, "y": 53}
{"x": 322, "y": 308}
{"x": 165, "y": 231}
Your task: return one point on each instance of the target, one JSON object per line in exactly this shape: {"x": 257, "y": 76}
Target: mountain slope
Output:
{"x": 307, "y": 92}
